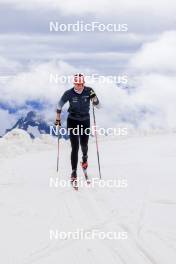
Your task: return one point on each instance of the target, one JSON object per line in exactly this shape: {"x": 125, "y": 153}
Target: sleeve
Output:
{"x": 94, "y": 97}
{"x": 62, "y": 101}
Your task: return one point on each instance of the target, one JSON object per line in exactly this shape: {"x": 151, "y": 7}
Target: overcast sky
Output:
{"x": 25, "y": 34}
{"x": 28, "y": 50}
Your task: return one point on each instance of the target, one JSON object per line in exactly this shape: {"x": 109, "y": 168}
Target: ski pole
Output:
{"x": 96, "y": 139}
{"x": 58, "y": 140}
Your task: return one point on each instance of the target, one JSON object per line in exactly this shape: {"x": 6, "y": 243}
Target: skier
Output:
{"x": 79, "y": 98}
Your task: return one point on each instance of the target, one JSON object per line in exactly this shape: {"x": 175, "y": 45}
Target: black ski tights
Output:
{"x": 80, "y": 137}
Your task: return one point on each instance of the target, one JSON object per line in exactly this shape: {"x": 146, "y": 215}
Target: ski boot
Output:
{"x": 74, "y": 181}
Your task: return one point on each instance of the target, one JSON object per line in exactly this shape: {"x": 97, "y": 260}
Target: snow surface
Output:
{"x": 30, "y": 208}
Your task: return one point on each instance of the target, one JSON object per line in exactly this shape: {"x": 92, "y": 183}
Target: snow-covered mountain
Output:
{"x": 33, "y": 123}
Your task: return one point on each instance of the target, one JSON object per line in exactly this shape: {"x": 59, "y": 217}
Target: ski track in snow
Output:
{"x": 145, "y": 209}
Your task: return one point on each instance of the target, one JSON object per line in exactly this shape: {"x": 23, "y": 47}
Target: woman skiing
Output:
{"x": 79, "y": 98}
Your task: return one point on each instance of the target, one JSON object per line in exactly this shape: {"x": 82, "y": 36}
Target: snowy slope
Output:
{"x": 146, "y": 209}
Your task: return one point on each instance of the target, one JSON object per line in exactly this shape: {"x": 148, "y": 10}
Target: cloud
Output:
{"x": 70, "y": 46}
{"x": 150, "y": 102}
{"x": 157, "y": 56}
{"x": 96, "y": 6}
{"x": 34, "y": 84}
{"x": 7, "y": 120}
{"x": 147, "y": 16}
{"x": 109, "y": 57}
{"x": 153, "y": 70}
{"x": 8, "y": 66}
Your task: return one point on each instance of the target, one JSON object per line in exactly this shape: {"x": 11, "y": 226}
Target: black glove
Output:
{"x": 58, "y": 122}
{"x": 92, "y": 94}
